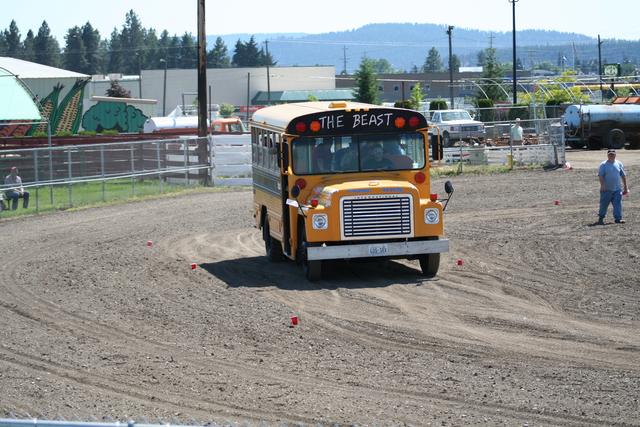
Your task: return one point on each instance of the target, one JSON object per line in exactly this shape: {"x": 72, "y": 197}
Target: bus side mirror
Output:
{"x": 295, "y": 191}
{"x": 448, "y": 187}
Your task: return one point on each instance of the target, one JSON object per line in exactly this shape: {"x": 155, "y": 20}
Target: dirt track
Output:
{"x": 539, "y": 326}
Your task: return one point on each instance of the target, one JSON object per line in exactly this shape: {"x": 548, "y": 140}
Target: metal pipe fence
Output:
{"x": 81, "y": 174}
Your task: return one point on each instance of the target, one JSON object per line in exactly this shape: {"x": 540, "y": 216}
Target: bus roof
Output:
{"x": 281, "y": 115}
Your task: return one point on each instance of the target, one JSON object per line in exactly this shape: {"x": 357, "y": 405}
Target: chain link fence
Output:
{"x": 68, "y": 176}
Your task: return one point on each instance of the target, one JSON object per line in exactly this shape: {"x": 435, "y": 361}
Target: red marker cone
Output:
{"x": 294, "y": 320}
{"x": 193, "y": 266}
{"x": 557, "y": 202}
{"x": 149, "y": 243}
{"x": 459, "y": 262}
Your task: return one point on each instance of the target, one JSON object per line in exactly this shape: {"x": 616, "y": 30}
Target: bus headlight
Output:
{"x": 320, "y": 221}
{"x": 431, "y": 216}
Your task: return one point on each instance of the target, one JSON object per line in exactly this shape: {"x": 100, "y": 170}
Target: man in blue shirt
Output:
{"x": 610, "y": 173}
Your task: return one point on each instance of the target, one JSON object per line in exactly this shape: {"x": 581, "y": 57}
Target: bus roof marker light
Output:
{"x": 314, "y": 126}
{"x": 301, "y": 127}
{"x": 420, "y": 177}
{"x": 399, "y": 122}
{"x": 314, "y": 203}
{"x": 338, "y": 104}
{"x": 414, "y": 121}
{"x": 433, "y": 197}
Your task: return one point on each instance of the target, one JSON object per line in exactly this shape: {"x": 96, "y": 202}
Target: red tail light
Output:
{"x": 414, "y": 121}
{"x": 314, "y": 126}
{"x": 399, "y": 122}
{"x": 419, "y": 177}
{"x": 433, "y": 197}
{"x": 301, "y": 127}
{"x": 301, "y": 183}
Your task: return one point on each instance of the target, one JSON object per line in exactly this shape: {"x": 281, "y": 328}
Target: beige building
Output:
{"x": 236, "y": 86}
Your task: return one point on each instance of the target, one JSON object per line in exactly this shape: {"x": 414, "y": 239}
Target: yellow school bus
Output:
{"x": 343, "y": 180}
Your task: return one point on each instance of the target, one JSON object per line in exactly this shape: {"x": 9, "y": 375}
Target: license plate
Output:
{"x": 378, "y": 250}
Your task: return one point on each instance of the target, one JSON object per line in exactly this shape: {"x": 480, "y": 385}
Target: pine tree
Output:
{"x": 366, "y": 83}
{"x": 117, "y": 91}
{"x": 246, "y": 54}
{"x": 188, "y": 52}
{"x": 114, "y": 61}
{"x": 492, "y": 71}
{"x": 173, "y": 52}
{"x": 29, "y": 47}
{"x": 455, "y": 63}
{"x": 265, "y": 59}
{"x": 163, "y": 47}
{"x": 432, "y": 63}
{"x": 151, "y": 58}
{"x": 46, "y": 47}
{"x": 93, "y": 55}
{"x": 132, "y": 41}
{"x": 12, "y": 37}
{"x": 74, "y": 52}
{"x": 218, "y": 57}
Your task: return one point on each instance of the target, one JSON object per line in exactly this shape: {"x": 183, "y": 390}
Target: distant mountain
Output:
{"x": 407, "y": 45}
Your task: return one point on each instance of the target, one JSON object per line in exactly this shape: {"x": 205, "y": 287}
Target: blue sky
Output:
{"x": 609, "y": 18}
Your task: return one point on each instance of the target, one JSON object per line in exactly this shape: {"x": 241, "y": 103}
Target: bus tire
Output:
{"x": 272, "y": 247}
{"x": 312, "y": 269}
{"x": 429, "y": 264}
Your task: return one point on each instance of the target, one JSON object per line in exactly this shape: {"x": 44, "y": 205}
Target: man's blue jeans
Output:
{"x": 14, "y": 196}
{"x": 613, "y": 197}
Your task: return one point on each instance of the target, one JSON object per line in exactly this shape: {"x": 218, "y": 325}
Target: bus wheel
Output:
{"x": 271, "y": 246}
{"x": 429, "y": 263}
{"x": 312, "y": 269}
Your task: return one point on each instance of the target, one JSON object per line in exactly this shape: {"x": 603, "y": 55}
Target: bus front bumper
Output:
{"x": 382, "y": 249}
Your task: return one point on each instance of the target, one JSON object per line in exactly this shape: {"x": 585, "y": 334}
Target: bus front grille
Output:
{"x": 377, "y": 216}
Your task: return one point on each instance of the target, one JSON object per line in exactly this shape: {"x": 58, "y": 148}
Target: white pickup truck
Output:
{"x": 455, "y": 125}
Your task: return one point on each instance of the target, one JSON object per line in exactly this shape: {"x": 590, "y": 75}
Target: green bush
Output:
{"x": 87, "y": 133}
{"x": 227, "y": 109}
{"x": 407, "y": 103}
{"x": 519, "y": 111}
{"x": 64, "y": 133}
{"x": 39, "y": 134}
{"x": 438, "y": 104}
{"x": 109, "y": 132}
{"x": 486, "y": 114}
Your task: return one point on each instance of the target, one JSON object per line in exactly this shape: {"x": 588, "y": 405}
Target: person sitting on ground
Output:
{"x": 375, "y": 158}
{"x": 16, "y": 190}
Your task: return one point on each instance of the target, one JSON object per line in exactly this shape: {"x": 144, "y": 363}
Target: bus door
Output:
{"x": 283, "y": 163}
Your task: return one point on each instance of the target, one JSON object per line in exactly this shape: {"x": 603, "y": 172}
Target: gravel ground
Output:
{"x": 538, "y": 326}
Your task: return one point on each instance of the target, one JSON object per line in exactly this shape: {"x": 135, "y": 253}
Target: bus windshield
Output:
{"x": 358, "y": 153}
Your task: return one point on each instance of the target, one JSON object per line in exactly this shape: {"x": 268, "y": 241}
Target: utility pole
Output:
{"x": 449, "y": 31}
{"x": 600, "y": 67}
{"x": 515, "y": 96}
{"x": 203, "y": 143}
{"x": 266, "y": 43}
